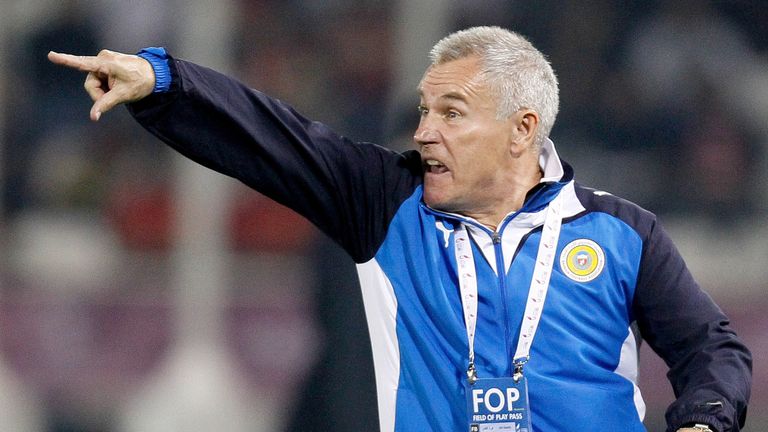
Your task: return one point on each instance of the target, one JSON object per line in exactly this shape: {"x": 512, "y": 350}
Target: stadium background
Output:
{"x": 141, "y": 293}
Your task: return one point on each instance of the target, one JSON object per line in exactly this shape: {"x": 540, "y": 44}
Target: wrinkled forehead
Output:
{"x": 453, "y": 79}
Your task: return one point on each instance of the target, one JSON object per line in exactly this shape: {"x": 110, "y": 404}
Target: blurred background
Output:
{"x": 139, "y": 292}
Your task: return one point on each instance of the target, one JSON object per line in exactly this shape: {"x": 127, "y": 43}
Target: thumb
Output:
{"x": 105, "y": 103}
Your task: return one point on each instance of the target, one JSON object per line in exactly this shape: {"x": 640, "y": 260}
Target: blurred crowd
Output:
{"x": 664, "y": 103}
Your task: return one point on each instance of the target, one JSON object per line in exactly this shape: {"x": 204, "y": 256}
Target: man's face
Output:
{"x": 464, "y": 148}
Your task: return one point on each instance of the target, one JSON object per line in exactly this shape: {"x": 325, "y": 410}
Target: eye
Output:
{"x": 452, "y": 114}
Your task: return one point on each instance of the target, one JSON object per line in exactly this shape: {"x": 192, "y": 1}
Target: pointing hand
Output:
{"x": 113, "y": 78}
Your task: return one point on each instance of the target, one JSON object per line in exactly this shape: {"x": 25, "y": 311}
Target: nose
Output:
{"x": 426, "y": 134}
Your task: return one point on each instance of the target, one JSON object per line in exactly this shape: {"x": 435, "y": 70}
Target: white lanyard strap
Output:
{"x": 468, "y": 290}
{"x": 537, "y": 292}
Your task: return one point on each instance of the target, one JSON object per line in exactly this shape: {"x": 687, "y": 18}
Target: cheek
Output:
{"x": 479, "y": 173}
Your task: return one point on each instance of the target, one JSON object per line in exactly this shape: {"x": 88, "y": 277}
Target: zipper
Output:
{"x": 501, "y": 275}
{"x": 498, "y": 252}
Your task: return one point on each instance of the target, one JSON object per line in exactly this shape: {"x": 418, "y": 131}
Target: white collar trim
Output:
{"x": 550, "y": 163}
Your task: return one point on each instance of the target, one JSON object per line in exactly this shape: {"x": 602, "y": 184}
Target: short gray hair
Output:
{"x": 511, "y": 66}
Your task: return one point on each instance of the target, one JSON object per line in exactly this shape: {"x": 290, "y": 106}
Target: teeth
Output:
{"x": 432, "y": 162}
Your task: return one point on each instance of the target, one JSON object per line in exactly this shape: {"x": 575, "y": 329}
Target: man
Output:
{"x": 499, "y": 293}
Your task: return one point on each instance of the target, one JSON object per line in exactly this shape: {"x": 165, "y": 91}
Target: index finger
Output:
{"x": 81, "y": 63}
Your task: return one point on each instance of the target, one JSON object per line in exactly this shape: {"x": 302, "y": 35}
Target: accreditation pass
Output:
{"x": 498, "y": 405}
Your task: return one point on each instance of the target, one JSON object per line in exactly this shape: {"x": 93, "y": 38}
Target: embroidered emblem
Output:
{"x": 582, "y": 260}
{"x": 446, "y": 232}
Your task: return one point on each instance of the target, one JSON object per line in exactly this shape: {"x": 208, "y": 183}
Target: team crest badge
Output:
{"x": 582, "y": 260}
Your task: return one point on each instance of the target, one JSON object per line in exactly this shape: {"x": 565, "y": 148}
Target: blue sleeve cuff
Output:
{"x": 158, "y": 58}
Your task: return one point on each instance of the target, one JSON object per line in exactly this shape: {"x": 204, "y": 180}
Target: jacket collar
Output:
{"x": 550, "y": 163}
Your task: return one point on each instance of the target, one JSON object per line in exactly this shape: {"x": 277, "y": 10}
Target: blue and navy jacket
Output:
{"x": 617, "y": 275}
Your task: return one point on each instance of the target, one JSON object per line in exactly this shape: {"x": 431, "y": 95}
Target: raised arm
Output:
{"x": 349, "y": 190}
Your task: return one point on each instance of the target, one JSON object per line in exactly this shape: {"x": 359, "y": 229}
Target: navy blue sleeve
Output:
{"x": 349, "y": 190}
{"x": 710, "y": 369}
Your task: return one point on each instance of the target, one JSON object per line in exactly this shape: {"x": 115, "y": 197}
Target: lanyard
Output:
{"x": 537, "y": 292}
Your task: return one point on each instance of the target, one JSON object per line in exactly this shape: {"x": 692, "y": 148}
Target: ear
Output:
{"x": 525, "y": 124}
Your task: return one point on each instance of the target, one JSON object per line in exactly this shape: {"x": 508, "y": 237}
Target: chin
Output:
{"x": 431, "y": 200}
{"x": 436, "y": 202}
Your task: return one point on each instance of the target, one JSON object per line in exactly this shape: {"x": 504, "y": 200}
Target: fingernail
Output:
{"x": 98, "y": 115}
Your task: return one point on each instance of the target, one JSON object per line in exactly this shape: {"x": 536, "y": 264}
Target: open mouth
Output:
{"x": 433, "y": 166}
